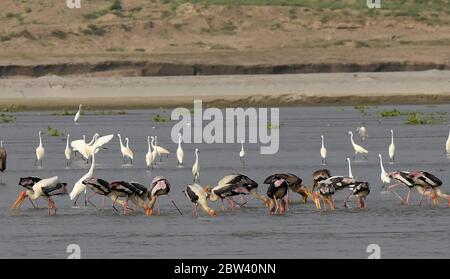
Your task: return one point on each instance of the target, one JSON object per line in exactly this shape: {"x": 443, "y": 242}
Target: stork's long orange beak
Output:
{"x": 19, "y": 200}
{"x": 149, "y": 211}
{"x": 212, "y": 213}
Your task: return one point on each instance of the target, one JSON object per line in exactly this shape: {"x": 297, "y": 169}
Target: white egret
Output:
{"x": 358, "y": 148}
{"x": 323, "y": 152}
{"x": 40, "y": 150}
{"x": 180, "y": 152}
{"x": 196, "y": 167}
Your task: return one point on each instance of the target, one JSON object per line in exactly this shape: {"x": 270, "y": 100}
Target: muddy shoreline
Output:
{"x": 324, "y": 89}
{"x": 145, "y": 68}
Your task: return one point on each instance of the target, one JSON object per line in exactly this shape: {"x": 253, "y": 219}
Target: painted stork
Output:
{"x": 160, "y": 186}
{"x": 46, "y": 188}
{"x": 427, "y": 182}
{"x": 197, "y": 195}
{"x": 295, "y": 185}
{"x": 235, "y": 184}
{"x": 277, "y": 192}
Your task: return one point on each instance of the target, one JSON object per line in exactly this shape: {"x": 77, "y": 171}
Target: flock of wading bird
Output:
{"x": 276, "y": 199}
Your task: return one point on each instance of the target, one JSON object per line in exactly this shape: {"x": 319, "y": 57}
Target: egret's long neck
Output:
{"x": 149, "y": 145}
{"x": 351, "y": 139}
{"x": 242, "y": 146}
{"x": 152, "y": 143}
{"x": 392, "y": 138}
{"x": 156, "y": 141}
{"x": 381, "y": 166}
{"x": 323, "y": 145}
{"x": 350, "y": 174}
{"x": 127, "y": 144}
{"x": 196, "y": 157}
{"x": 40, "y": 140}
{"x": 91, "y": 169}
{"x": 120, "y": 140}
{"x": 179, "y": 142}
{"x": 92, "y": 140}
{"x": 67, "y": 142}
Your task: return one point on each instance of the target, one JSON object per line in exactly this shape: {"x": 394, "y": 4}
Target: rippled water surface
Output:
{"x": 303, "y": 232}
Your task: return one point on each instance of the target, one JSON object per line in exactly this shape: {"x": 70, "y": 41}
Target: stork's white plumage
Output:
{"x": 46, "y": 188}
{"x": 40, "y": 150}
{"x": 392, "y": 148}
{"x": 358, "y": 148}
{"x": 180, "y": 152}
{"x": 323, "y": 152}
{"x": 197, "y": 195}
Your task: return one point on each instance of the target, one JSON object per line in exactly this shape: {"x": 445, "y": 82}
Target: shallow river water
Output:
{"x": 400, "y": 231}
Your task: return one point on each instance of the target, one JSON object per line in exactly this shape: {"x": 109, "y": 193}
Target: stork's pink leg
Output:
{"x": 223, "y": 206}
{"x": 157, "y": 205}
{"x": 422, "y": 197}
{"x": 347, "y": 199}
{"x": 408, "y": 196}
{"x": 276, "y": 205}
{"x": 391, "y": 189}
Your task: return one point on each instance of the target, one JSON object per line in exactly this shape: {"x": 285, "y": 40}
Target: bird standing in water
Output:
{"x": 3, "y": 156}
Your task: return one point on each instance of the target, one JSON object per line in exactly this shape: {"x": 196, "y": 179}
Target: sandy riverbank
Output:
{"x": 260, "y": 90}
